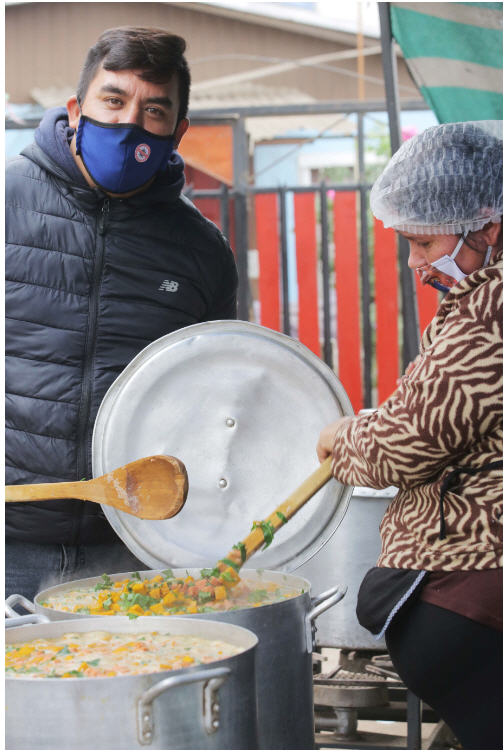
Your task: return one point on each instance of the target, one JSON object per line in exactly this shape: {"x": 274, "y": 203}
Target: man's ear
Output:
{"x": 74, "y": 112}
{"x": 180, "y": 130}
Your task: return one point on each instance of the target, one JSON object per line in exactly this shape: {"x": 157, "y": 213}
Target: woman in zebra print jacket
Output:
{"x": 436, "y": 593}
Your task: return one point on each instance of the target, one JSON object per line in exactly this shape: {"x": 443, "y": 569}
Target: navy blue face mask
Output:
{"x": 119, "y": 157}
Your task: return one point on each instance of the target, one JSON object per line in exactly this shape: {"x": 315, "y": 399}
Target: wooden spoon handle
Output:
{"x": 43, "y": 491}
{"x": 284, "y": 512}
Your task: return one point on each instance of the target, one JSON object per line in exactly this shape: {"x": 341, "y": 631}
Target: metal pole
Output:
{"x": 364, "y": 255}
{"x": 414, "y": 721}
{"x": 224, "y": 209}
{"x": 240, "y": 171}
{"x": 324, "y": 225}
{"x": 284, "y": 261}
{"x": 410, "y": 338}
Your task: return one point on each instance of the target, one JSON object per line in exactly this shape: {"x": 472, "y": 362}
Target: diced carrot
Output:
{"x": 220, "y": 593}
{"x": 139, "y": 587}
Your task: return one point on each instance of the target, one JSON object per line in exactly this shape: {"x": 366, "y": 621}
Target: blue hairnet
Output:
{"x": 445, "y": 181}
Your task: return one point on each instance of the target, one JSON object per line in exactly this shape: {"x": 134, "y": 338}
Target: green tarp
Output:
{"x": 454, "y": 54}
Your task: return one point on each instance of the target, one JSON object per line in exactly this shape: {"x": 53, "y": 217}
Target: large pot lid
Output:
{"x": 242, "y": 406}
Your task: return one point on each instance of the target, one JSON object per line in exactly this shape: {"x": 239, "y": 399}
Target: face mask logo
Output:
{"x": 142, "y": 152}
{"x": 121, "y": 158}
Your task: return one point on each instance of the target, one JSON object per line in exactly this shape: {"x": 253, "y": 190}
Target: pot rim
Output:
{"x": 142, "y": 624}
{"x": 63, "y": 587}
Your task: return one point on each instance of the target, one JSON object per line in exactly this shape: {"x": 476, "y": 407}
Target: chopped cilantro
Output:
{"x": 141, "y": 599}
{"x": 167, "y": 574}
{"x": 231, "y": 564}
{"x": 105, "y": 583}
{"x": 281, "y": 517}
{"x": 243, "y": 551}
{"x": 268, "y": 531}
{"x": 204, "y": 597}
{"x": 93, "y": 663}
{"x": 135, "y": 576}
{"x": 256, "y": 596}
{"x": 207, "y": 573}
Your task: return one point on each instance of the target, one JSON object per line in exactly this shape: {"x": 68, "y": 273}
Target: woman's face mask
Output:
{"x": 444, "y": 273}
{"x": 121, "y": 158}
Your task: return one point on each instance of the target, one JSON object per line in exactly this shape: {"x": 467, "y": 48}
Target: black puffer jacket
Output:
{"x": 90, "y": 281}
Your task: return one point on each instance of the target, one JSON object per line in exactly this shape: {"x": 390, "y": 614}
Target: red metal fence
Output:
{"x": 346, "y": 281}
{"x": 357, "y": 362}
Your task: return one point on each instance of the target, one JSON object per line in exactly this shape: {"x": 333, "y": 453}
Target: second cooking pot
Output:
{"x": 210, "y": 706}
{"x": 284, "y": 673}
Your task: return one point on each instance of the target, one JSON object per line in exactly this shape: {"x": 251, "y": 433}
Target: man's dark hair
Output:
{"x": 155, "y": 52}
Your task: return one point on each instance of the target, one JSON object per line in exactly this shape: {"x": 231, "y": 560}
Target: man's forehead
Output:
{"x": 130, "y": 79}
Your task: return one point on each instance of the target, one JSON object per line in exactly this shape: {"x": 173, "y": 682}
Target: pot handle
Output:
{"x": 19, "y": 621}
{"x": 326, "y": 594}
{"x": 213, "y": 678}
{"x": 18, "y": 600}
{"x": 320, "y": 604}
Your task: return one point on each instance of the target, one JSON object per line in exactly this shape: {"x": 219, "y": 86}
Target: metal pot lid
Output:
{"x": 242, "y": 406}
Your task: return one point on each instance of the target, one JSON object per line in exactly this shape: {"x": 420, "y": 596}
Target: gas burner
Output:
{"x": 339, "y": 695}
{"x": 365, "y": 687}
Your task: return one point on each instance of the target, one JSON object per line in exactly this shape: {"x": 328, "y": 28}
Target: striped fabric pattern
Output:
{"x": 445, "y": 413}
{"x": 454, "y": 54}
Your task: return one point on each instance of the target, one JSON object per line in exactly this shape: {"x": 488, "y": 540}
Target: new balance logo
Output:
{"x": 168, "y": 285}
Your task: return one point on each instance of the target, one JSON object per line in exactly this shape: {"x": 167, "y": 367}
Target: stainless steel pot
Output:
{"x": 284, "y": 673}
{"x": 352, "y": 550}
{"x": 210, "y": 706}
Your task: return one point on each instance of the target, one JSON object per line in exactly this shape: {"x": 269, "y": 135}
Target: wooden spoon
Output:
{"x": 282, "y": 514}
{"x": 152, "y": 488}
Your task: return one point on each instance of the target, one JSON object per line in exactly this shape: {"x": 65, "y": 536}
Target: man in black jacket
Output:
{"x": 104, "y": 255}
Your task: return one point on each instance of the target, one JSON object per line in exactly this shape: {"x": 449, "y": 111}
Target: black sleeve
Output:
{"x": 224, "y": 302}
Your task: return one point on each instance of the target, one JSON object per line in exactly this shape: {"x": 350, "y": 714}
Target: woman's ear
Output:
{"x": 491, "y": 233}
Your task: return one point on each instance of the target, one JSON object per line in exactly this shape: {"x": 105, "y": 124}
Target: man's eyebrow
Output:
{"x": 111, "y": 89}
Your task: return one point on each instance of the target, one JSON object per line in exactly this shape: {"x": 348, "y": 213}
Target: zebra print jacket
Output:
{"x": 446, "y": 413}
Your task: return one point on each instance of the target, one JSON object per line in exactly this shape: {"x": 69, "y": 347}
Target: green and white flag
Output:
{"x": 454, "y": 54}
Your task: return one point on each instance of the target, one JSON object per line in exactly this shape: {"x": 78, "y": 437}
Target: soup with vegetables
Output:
{"x": 167, "y": 594}
{"x": 102, "y": 654}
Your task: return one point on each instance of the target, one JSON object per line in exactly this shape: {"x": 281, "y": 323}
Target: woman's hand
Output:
{"x": 326, "y": 439}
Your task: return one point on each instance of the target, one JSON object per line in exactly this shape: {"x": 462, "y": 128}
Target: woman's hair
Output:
{"x": 155, "y": 52}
